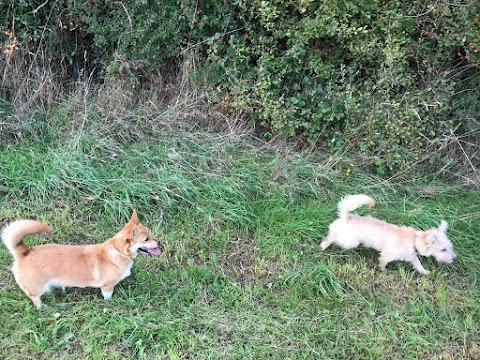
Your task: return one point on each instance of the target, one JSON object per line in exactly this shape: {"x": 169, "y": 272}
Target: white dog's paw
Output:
{"x": 325, "y": 243}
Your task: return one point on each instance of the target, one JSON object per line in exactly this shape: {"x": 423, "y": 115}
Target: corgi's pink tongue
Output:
{"x": 155, "y": 252}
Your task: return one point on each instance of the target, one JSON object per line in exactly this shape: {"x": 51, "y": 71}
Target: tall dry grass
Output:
{"x": 41, "y": 95}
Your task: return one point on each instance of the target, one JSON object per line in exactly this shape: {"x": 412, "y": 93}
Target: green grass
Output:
{"x": 242, "y": 275}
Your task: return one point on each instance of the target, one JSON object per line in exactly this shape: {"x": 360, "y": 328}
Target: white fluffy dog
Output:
{"x": 392, "y": 241}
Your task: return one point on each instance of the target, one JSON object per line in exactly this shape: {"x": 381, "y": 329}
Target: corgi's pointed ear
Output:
{"x": 443, "y": 226}
{"x": 129, "y": 232}
{"x": 134, "y": 218}
{"x": 134, "y": 232}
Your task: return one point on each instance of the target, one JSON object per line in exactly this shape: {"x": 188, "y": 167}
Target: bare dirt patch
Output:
{"x": 240, "y": 263}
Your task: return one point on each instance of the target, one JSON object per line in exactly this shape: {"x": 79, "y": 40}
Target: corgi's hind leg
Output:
{"x": 31, "y": 287}
{"x": 34, "y": 293}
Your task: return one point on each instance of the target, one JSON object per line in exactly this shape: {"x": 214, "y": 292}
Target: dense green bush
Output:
{"x": 389, "y": 78}
{"x": 388, "y": 73}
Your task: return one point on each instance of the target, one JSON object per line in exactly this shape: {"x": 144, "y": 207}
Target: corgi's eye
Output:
{"x": 146, "y": 239}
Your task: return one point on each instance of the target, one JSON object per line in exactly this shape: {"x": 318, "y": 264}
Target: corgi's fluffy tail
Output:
{"x": 13, "y": 234}
{"x": 352, "y": 202}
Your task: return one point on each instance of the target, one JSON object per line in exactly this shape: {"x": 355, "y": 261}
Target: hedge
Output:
{"x": 390, "y": 78}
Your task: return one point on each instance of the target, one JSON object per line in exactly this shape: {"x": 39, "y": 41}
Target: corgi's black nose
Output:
{"x": 160, "y": 246}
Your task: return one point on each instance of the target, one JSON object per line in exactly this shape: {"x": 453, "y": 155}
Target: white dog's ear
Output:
{"x": 443, "y": 226}
{"x": 431, "y": 239}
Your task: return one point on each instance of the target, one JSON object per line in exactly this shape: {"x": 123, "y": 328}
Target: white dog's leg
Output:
{"x": 383, "y": 261}
{"x": 418, "y": 266}
{"x": 327, "y": 241}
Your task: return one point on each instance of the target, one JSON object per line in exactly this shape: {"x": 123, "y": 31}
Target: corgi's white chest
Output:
{"x": 127, "y": 272}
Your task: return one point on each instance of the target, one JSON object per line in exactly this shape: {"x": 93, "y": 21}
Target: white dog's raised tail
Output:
{"x": 352, "y": 202}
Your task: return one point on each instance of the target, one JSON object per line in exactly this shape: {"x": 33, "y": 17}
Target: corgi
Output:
{"x": 392, "y": 241}
{"x": 38, "y": 269}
